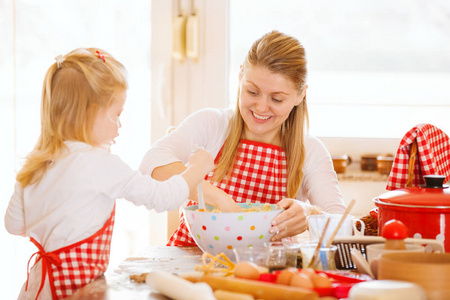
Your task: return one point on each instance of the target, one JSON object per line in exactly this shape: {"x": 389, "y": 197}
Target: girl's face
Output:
{"x": 107, "y": 123}
{"x": 266, "y": 100}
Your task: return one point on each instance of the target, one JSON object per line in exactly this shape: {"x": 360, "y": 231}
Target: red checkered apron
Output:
{"x": 72, "y": 267}
{"x": 258, "y": 176}
{"x": 433, "y": 156}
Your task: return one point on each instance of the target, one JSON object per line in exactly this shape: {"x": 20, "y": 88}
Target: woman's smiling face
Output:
{"x": 265, "y": 102}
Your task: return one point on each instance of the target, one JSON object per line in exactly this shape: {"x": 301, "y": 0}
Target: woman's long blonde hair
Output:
{"x": 281, "y": 54}
{"x": 75, "y": 88}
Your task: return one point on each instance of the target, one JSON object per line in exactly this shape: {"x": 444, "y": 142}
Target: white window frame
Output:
{"x": 183, "y": 87}
{"x": 180, "y": 88}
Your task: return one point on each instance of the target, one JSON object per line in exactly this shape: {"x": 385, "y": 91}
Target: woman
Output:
{"x": 263, "y": 154}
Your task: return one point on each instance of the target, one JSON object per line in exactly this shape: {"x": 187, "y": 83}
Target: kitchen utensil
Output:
{"x": 395, "y": 233}
{"x": 217, "y": 232}
{"x": 386, "y": 290}
{"x": 279, "y": 257}
{"x": 340, "y": 162}
{"x": 201, "y": 200}
{"x": 369, "y": 162}
{"x": 164, "y": 283}
{"x": 384, "y": 164}
{"x": 317, "y": 222}
{"x": 319, "y": 244}
{"x": 294, "y": 242}
{"x": 253, "y": 254}
{"x": 431, "y": 271}
{"x": 179, "y": 35}
{"x": 362, "y": 266}
{"x": 227, "y": 295}
{"x": 424, "y": 210}
{"x": 375, "y": 251}
{"x": 341, "y": 221}
{"x": 322, "y": 258}
{"x": 260, "y": 290}
{"x": 192, "y": 33}
{"x": 345, "y": 244}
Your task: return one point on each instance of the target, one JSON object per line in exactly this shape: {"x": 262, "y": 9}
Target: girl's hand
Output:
{"x": 218, "y": 198}
{"x": 290, "y": 222}
{"x": 229, "y": 205}
{"x": 203, "y": 160}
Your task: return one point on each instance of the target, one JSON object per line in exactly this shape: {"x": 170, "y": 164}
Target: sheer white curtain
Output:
{"x": 32, "y": 34}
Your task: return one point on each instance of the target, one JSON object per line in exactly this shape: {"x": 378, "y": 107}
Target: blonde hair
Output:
{"x": 281, "y": 54}
{"x": 75, "y": 88}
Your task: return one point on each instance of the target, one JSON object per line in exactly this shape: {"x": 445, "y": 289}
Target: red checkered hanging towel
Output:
{"x": 72, "y": 267}
{"x": 258, "y": 176}
{"x": 424, "y": 150}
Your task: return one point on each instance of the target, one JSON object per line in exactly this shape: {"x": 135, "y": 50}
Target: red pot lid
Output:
{"x": 434, "y": 194}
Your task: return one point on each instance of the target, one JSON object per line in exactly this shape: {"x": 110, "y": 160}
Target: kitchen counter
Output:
{"x": 354, "y": 173}
{"x": 116, "y": 284}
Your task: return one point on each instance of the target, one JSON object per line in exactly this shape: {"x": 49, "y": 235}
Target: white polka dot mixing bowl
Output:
{"x": 217, "y": 232}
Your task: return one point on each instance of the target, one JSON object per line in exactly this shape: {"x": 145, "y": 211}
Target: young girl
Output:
{"x": 64, "y": 198}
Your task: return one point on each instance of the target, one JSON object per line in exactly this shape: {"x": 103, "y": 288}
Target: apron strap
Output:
{"x": 48, "y": 259}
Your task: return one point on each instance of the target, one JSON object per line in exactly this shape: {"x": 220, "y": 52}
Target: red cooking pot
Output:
{"x": 424, "y": 210}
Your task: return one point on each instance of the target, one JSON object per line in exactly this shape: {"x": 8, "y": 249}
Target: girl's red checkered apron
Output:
{"x": 258, "y": 176}
{"x": 431, "y": 156}
{"x": 72, "y": 267}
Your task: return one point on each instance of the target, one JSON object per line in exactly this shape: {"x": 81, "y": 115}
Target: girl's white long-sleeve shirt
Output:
{"x": 208, "y": 128}
{"x": 76, "y": 196}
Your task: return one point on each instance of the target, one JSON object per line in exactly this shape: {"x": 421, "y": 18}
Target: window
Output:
{"x": 33, "y": 33}
{"x": 376, "y": 69}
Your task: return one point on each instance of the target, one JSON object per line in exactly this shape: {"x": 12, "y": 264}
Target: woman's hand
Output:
{"x": 290, "y": 222}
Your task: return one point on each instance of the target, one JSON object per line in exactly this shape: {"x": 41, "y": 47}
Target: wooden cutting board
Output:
{"x": 259, "y": 289}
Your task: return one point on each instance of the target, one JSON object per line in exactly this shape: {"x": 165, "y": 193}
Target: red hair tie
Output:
{"x": 101, "y": 55}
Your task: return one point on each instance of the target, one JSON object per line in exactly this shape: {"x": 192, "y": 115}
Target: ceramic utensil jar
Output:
{"x": 340, "y": 162}
{"x": 369, "y": 162}
{"x": 384, "y": 163}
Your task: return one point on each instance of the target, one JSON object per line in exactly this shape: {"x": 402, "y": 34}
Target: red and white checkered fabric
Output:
{"x": 259, "y": 176}
{"x": 433, "y": 152}
{"x": 72, "y": 267}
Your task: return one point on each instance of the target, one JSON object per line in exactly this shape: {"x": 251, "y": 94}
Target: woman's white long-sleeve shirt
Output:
{"x": 76, "y": 196}
{"x": 208, "y": 128}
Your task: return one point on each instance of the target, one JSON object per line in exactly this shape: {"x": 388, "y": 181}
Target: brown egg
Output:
{"x": 302, "y": 280}
{"x": 285, "y": 276}
{"x": 310, "y": 272}
{"x": 321, "y": 280}
{"x": 247, "y": 270}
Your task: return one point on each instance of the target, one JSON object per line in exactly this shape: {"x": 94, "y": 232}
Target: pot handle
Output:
{"x": 374, "y": 213}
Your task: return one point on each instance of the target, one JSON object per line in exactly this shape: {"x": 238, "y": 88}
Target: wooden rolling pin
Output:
{"x": 259, "y": 289}
{"x": 178, "y": 288}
